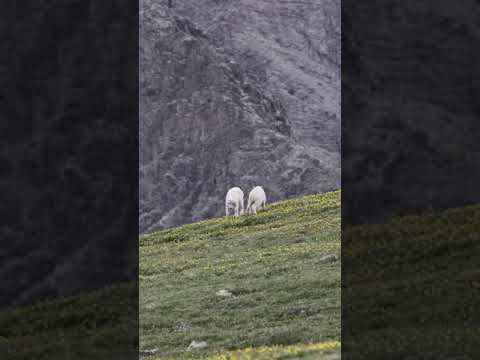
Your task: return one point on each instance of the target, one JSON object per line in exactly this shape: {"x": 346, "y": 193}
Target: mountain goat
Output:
{"x": 256, "y": 200}
{"x": 234, "y": 200}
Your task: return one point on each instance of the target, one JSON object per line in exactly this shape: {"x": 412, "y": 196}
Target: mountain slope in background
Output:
{"x": 212, "y": 115}
{"x": 67, "y": 148}
{"x": 410, "y": 108}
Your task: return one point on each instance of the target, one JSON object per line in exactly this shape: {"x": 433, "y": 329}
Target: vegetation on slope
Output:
{"x": 281, "y": 266}
{"x": 408, "y": 279}
{"x": 97, "y": 325}
{"x": 415, "y": 286}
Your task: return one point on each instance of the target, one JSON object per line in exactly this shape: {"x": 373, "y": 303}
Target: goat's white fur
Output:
{"x": 256, "y": 200}
{"x": 234, "y": 200}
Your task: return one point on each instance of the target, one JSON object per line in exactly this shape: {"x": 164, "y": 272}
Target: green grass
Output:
{"x": 286, "y": 299}
{"x": 89, "y": 326}
{"x": 313, "y": 351}
{"x": 415, "y": 284}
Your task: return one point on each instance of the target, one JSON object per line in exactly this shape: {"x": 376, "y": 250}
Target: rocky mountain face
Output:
{"x": 410, "y": 108}
{"x": 291, "y": 48}
{"x": 68, "y": 109}
{"x": 238, "y": 93}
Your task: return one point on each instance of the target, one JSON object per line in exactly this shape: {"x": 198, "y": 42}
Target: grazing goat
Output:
{"x": 256, "y": 200}
{"x": 234, "y": 200}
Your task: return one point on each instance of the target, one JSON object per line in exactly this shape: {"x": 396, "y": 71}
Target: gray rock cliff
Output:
{"x": 410, "y": 108}
{"x": 235, "y": 94}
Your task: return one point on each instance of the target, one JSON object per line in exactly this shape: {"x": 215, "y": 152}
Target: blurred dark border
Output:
{"x": 410, "y": 129}
{"x": 69, "y": 178}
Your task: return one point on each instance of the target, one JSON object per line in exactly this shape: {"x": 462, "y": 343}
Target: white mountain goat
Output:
{"x": 234, "y": 200}
{"x": 256, "y": 200}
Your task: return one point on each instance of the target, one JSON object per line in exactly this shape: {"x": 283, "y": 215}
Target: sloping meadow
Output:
{"x": 253, "y": 282}
{"x": 411, "y": 286}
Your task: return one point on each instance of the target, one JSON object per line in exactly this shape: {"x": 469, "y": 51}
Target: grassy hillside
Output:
{"x": 90, "y": 326}
{"x": 415, "y": 283}
{"x": 281, "y": 266}
{"x": 415, "y": 286}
